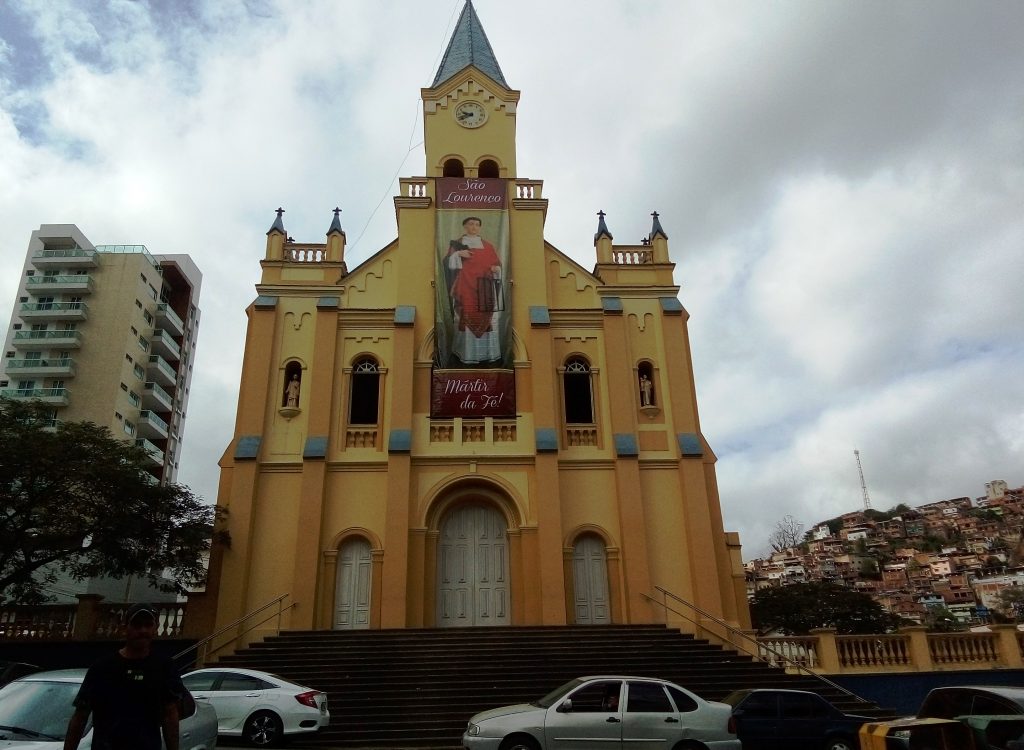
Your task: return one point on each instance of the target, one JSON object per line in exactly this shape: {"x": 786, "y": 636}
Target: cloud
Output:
{"x": 841, "y": 184}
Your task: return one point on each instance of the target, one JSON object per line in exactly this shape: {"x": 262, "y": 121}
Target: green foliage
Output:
{"x": 77, "y": 499}
{"x": 1011, "y": 601}
{"x": 798, "y": 609}
{"x": 941, "y": 620}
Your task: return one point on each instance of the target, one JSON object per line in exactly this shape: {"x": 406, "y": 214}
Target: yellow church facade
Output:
{"x": 469, "y": 428}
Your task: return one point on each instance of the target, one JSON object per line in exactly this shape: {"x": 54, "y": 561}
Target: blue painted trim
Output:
{"x": 671, "y": 305}
{"x": 316, "y": 447}
{"x": 329, "y": 302}
{"x": 690, "y": 445}
{"x": 405, "y": 315}
{"x": 400, "y": 441}
{"x": 611, "y": 304}
{"x": 625, "y": 445}
{"x": 248, "y": 446}
{"x": 540, "y": 316}
{"x": 547, "y": 440}
{"x": 265, "y": 302}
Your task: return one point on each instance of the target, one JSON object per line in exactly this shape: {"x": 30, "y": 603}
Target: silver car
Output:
{"x": 639, "y": 713}
{"x": 35, "y": 710}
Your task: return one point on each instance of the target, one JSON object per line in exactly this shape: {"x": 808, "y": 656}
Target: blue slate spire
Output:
{"x": 656, "y": 228}
{"x": 602, "y": 228}
{"x": 278, "y": 225}
{"x": 468, "y": 46}
{"x": 336, "y": 224}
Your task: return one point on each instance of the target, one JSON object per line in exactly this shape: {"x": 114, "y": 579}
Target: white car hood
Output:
{"x": 31, "y": 744}
{"x": 497, "y": 713}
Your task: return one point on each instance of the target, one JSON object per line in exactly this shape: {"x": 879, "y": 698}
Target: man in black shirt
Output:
{"x": 133, "y": 694}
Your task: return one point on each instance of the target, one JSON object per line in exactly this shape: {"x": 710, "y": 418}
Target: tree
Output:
{"x": 801, "y": 607}
{"x": 788, "y": 533}
{"x": 1011, "y": 601}
{"x": 75, "y": 499}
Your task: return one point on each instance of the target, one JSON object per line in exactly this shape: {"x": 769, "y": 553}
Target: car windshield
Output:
{"x": 39, "y": 710}
{"x": 557, "y": 694}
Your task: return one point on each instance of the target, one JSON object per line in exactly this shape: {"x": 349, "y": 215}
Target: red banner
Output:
{"x": 471, "y": 192}
{"x": 473, "y": 393}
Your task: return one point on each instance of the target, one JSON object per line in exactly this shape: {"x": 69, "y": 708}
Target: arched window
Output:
{"x": 365, "y": 392}
{"x": 454, "y": 168}
{"x": 488, "y": 168}
{"x": 576, "y": 385}
{"x": 645, "y": 384}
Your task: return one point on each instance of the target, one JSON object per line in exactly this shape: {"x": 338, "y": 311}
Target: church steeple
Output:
{"x": 469, "y": 112}
{"x": 469, "y": 46}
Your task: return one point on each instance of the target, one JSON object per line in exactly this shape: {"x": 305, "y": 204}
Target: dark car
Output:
{"x": 971, "y": 700}
{"x": 789, "y": 719}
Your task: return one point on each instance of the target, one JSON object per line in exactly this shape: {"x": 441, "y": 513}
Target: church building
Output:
{"x": 469, "y": 428}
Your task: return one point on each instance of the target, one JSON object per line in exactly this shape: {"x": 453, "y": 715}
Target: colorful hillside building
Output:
{"x": 470, "y": 428}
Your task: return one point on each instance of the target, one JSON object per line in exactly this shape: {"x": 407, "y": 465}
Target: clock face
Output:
{"x": 470, "y": 114}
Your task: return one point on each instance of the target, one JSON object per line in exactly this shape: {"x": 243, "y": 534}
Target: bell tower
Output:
{"x": 469, "y": 111}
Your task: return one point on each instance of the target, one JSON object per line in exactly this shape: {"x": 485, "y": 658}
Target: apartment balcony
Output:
{"x": 161, "y": 372}
{"x": 80, "y": 283}
{"x": 155, "y": 454}
{"x": 169, "y": 320}
{"x": 161, "y": 343}
{"x": 156, "y": 398}
{"x": 151, "y": 426}
{"x": 52, "y": 396}
{"x": 72, "y": 257}
{"x": 53, "y": 311}
{"x": 59, "y": 339}
{"x": 43, "y": 368}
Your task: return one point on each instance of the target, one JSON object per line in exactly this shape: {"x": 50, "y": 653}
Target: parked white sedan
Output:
{"x": 607, "y": 712}
{"x": 35, "y": 710}
{"x": 259, "y": 707}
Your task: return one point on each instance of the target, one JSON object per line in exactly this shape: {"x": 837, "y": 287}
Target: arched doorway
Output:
{"x": 590, "y": 581}
{"x": 472, "y": 568}
{"x": 352, "y": 585}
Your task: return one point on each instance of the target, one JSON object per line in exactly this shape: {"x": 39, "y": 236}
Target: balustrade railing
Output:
{"x": 911, "y": 649}
{"x": 89, "y": 619}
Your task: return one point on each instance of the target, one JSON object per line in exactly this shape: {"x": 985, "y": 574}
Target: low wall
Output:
{"x": 903, "y": 692}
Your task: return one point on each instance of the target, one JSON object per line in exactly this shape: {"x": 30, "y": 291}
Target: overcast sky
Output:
{"x": 842, "y": 184}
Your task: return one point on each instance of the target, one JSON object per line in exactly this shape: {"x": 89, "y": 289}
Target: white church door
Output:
{"x": 352, "y": 587}
{"x": 590, "y": 581}
{"x": 472, "y": 564}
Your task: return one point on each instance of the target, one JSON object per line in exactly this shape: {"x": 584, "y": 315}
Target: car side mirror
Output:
{"x": 565, "y": 707}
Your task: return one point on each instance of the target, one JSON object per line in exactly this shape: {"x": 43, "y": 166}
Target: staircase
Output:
{"x": 417, "y": 688}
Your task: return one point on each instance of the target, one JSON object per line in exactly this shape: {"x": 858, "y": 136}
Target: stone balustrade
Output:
{"x": 911, "y": 649}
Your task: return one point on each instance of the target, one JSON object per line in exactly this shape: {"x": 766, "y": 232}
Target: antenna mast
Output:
{"x": 863, "y": 484}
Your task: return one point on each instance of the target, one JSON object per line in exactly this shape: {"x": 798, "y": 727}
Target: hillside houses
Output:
{"x": 957, "y": 554}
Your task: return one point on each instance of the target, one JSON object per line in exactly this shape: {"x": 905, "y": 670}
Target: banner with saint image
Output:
{"x": 473, "y": 315}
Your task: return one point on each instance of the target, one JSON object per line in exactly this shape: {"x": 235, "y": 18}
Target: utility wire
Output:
{"x": 412, "y": 134}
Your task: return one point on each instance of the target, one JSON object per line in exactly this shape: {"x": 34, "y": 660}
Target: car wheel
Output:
{"x": 519, "y": 742}
{"x": 841, "y": 743}
{"x": 263, "y": 729}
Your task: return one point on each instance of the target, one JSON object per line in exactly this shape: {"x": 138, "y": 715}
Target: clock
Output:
{"x": 470, "y": 114}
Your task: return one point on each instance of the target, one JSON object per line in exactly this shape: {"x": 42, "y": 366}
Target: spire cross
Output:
{"x": 601, "y": 214}
{"x": 279, "y": 212}
{"x": 337, "y": 210}
{"x": 654, "y": 214}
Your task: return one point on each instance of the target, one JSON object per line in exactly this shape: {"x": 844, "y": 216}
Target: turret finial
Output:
{"x": 602, "y": 228}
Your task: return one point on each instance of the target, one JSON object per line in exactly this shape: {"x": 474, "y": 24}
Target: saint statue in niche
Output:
{"x": 646, "y": 390}
{"x": 291, "y": 392}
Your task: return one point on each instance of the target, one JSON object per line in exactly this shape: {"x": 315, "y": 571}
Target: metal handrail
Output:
{"x": 759, "y": 647}
{"x": 205, "y": 641}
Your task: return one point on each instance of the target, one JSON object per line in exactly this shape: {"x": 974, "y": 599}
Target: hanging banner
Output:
{"x": 473, "y": 316}
{"x": 473, "y": 393}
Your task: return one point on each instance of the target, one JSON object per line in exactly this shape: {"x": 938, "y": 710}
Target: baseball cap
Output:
{"x": 141, "y": 610}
